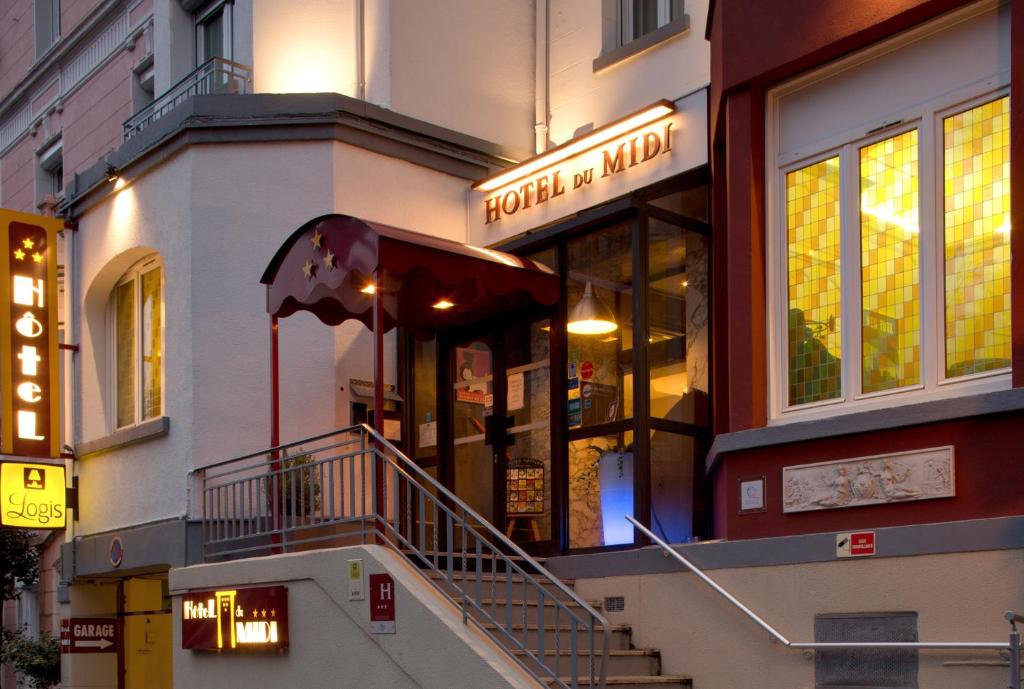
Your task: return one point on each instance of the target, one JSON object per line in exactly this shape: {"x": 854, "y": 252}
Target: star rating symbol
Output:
{"x": 264, "y": 612}
{"x": 308, "y": 269}
{"x": 37, "y": 257}
{"x": 19, "y": 254}
{"x": 316, "y": 239}
{"x": 273, "y": 613}
{"x": 27, "y": 243}
{"x": 329, "y": 260}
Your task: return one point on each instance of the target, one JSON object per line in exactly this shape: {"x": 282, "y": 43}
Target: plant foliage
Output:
{"x": 38, "y": 660}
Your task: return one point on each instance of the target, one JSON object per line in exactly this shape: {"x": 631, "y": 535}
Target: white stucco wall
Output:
{"x": 466, "y": 65}
{"x": 217, "y": 214}
{"x": 329, "y": 635}
{"x": 958, "y": 597}
{"x": 143, "y": 482}
{"x": 579, "y": 96}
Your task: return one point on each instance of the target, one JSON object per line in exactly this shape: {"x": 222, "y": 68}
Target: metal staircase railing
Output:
{"x": 354, "y": 486}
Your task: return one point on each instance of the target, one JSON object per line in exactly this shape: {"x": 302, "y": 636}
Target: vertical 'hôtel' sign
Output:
{"x": 29, "y": 377}
{"x": 254, "y": 619}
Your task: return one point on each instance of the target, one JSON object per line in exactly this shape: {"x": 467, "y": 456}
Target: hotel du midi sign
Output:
{"x": 254, "y": 619}
{"x": 610, "y": 151}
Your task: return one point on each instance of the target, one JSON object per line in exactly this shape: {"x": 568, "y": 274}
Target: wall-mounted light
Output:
{"x": 443, "y": 305}
{"x": 112, "y": 175}
{"x": 599, "y": 136}
{"x": 369, "y": 289}
{"x": 590, "y": 316}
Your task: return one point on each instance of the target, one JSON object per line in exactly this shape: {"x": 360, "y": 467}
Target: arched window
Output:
{"x": 138, "y": 314}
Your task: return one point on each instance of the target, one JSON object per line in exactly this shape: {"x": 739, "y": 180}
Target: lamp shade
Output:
{"x": 590, "y": 316}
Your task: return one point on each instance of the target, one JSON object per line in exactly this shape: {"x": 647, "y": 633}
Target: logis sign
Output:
{"x": 33, "y": 495}
{"x": 29, "y": 389}
{"x": 235, "y": 619}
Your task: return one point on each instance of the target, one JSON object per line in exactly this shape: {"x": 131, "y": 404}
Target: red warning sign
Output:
{"x": 587, "y": 370}
{"x": 857, "y": 544}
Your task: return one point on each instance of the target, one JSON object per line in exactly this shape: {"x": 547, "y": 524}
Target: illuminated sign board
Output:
{"x": 610, "y": 151}
{"x": 29, "y": 373}
{"x": 254, "y": 619}
{"x": 33, "y": 495}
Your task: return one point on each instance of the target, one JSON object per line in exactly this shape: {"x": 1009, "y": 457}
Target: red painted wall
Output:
{"x": 755, "y": 45}
{"x": 986, "y": 452}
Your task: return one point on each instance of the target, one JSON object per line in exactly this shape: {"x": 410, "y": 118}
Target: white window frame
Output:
{"x": 200, "y": 18}
{"x": 134, "y": 275}
{"x": 626, "y": 19}
{"x": 927, "y": 119}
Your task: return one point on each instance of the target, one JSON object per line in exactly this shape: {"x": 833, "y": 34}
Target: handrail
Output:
{"x": 354, "y": 483}
{"x": 504, "y": 540}
{"x": 815, "y": 645}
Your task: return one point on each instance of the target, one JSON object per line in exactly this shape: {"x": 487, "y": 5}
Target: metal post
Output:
{"x": 274, "y": 499}
{"x": 378, "y": 385}
{"x": 1013, "y": 618}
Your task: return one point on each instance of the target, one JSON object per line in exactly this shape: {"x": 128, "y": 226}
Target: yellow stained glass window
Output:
{"x": 976, "y": 189}
{"x": 812, "y": 222}
{"x": 890, "y": 276}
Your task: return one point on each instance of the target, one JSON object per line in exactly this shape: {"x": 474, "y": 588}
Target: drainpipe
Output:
{"x": 71, "y": 336}
{"x": 360, "y": 49}
{"x": 540, "y": 79}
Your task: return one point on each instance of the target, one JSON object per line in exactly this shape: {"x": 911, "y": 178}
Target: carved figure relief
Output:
{"x": 898, "y": 477}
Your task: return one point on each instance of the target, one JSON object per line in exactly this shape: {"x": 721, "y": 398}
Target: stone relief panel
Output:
{"x": 898, "y": 477}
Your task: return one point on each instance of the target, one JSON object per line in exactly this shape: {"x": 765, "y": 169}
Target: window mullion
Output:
{"x": 137, "y": 335}
{"x": 929, "y": 242}
{"x": 850, "y": 270}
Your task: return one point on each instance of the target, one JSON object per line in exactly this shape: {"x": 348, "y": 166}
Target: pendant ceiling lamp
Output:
{"x": 590, "y": 316}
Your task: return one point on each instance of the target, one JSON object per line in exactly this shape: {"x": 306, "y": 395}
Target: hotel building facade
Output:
{"x": 738, "y": 271}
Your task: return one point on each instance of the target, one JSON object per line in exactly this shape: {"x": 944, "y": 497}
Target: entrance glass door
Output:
{"x": 472, "y": 404}
{"x": 501, "y": 428}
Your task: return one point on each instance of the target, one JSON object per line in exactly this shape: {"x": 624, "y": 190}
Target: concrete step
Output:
{"x": 619, "y": 639}
{"x": 630, "y": 662}
{"x": 636, "y": 681}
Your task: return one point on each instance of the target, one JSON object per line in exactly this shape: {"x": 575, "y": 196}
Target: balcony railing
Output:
{"x": 353, "y": 486}
{"x": 214, "y": 76}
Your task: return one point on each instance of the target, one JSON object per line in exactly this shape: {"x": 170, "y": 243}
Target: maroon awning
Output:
{"x": 325, "y": 266}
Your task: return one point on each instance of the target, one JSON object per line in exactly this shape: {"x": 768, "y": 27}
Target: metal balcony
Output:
{"x": 214, "y": 76}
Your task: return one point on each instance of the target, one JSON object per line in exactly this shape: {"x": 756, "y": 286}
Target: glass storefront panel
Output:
{"x": 672, "y": 485}
{"x": 677, "y": 313}
{"x": 601, "y": 490}
{"x": 600, "y": 338}
{"x": 528, "y": 395}
{"x": 977, "y": 238}
{"x": 890, "y": 277}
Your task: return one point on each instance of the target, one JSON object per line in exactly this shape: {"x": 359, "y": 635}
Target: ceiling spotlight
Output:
{"x": 443, "y": 304}
{"x": 112, "y": 175}
{"x": 369, "y": 289}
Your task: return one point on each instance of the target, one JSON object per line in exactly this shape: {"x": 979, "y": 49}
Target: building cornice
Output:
{"x": 264, "y": 118}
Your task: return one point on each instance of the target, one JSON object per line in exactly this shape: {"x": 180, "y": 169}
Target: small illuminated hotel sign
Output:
{"x": 29, "y": 389}
{"x": 34, "y": 496}
{"x": 254, "y": 619}
{"x": 612, "y": 150}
